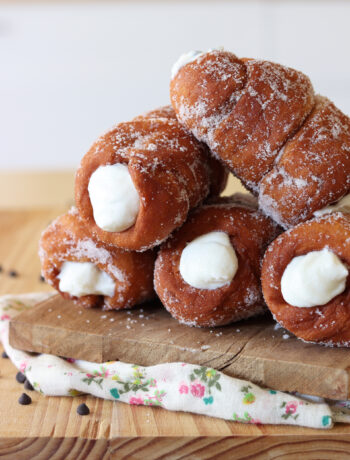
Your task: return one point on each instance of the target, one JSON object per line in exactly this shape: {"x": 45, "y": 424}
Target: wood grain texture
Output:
{"x": 148, "y": 335}
{"x": 50, "y": 422}
{"x": 170, "y": 448}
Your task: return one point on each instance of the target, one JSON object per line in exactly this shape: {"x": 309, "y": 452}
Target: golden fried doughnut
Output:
{"x": 263, "y": 121}
{"x": 218, "y": 172}
{"x": 244, "y": 109}
{"x": 68, "y": 240}
{"x": 328, "y": 323}
{"x": 248, "y": 232}
{"x": 169, "y": 169}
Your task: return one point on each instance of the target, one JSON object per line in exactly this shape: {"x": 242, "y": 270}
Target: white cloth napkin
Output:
{"x": 173, "y": 386}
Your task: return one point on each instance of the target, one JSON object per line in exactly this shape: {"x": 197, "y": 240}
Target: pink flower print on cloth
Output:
{"x": 291, "y": 407}
{"x": 23, "y": 366}
{"x": 183, "y": 389}
{"x": 136, "y": 401}
{"x": 203, "y": 382}
{"x": 197, "y": 390}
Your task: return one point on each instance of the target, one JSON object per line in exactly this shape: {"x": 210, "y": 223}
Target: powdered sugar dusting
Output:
{"x": 247, "y": 129}
{"x": 313, "y": 170}
{"x": 170, "y": 169}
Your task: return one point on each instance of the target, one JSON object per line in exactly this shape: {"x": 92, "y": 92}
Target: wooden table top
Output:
{"x": 116, "y": 430}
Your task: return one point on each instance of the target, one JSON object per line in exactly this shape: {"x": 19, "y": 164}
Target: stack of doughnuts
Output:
{"x": 134, "y": 187}
{"x": 291, "y": 149}
{"x": 149, "y": 218}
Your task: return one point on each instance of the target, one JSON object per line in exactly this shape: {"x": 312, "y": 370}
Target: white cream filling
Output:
{"x": 114, "y": 198}
{"x": 191, "y": 56}
{"x": 209, "y": 261}
{"x": 313, "y": 279}
{"x": 342, "y": 205}
{"x": 84, "y": 278}
{"x": 183, "y": 60}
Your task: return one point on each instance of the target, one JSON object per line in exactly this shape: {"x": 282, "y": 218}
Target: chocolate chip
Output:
{"x": 4, "y": 355}
{"x": 13, "y": 273}
{"x": 24, "y": 399}
{"x": 21, "y": 378}
{"x": 28, "y": 385}
{"x": 41, "y": 279}
{"x": 1, "y": 268}
{"x": 83, "y": 409}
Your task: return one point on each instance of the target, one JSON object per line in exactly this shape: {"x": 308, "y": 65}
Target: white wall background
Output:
{"x": 68, "y": 72}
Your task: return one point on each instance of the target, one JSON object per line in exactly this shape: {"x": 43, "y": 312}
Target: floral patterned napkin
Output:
{"x": 173, "y": 386}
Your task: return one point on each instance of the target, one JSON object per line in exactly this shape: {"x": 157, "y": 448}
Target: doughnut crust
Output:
{"x": 244, "y": 109}
{"x": 218, "y": 171}
{"x": 161, "y": 112}
{"x": 169, "y": 168}
{"x": 289, "y": 147}
{"x": 313, "y": 170}
{"x": 67, "y": 239}
{"x": 249, "y": 232}
{"x": 328, "y": 324}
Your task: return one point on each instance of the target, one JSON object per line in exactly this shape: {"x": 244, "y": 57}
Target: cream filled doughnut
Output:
{"x": 305, "y": 279}
{"x": 243, "y": 109}
{"x": 138, "y": 182}
{"x": 208, "y": 273}
{"x": 90, "y": 272}
{"x": 290, "y": 147}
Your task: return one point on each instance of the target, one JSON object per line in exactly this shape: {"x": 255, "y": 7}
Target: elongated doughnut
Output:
{"x": 138, "y": 182}
{"x": 218, "y": 171}
{"x": 305, "y": 279}
{"x": 208, "y": 273}
{"x": 243, "y": 109}
{"x": 90, "y": 272}
{"x": 288, "y": 146}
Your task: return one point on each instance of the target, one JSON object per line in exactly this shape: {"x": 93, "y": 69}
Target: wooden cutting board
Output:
{"x": 256, "y": 350}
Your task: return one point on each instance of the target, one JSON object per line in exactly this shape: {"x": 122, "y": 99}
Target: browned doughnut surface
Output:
{"x": 313, "y": 170}
{"x": 67, "y": 239}
{"x": 249, "y": 232}
{"x": 168, "y": 167}
{"x": 218, "y": 172}
{"x": 161, "y": 112}
{"x": 244, "y": 109}
{"x": 328, "y": 323}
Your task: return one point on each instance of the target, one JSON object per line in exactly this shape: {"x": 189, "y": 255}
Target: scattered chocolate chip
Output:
{"x": 21, "y": 378}
{"x": 4, "y": 355}
{"x": 24, "y": 399}
{"x": 28, "y": 385}
{"x": 13, "y": 273}
{"x": 0, "y": 268}
{"x": 83, "y": 409}
{"x": 41, "y": 279}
